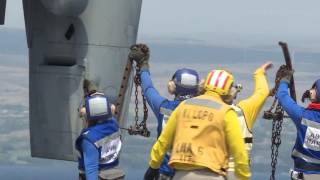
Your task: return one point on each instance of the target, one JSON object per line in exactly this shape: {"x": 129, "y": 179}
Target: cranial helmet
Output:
{"x": 97, "y": 107}
{"x": 184, "y": 82}
{"x": 219, "y": 81}
{"x": 316, "y": 86}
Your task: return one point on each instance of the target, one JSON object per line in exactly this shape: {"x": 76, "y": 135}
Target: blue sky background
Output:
{"x": 211, "y": 18}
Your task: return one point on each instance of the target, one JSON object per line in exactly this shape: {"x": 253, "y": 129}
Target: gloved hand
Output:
{"x": 151, "y": 174}
{"x": 268, "y": 65}
{"x": 140, "y": 53}
{"x": 287, "y": 76}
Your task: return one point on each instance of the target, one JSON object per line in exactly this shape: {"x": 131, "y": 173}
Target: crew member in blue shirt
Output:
{"x": 99, "y": 144}
{"x": 183, "y": 85}
{"x": 306, "y": 151}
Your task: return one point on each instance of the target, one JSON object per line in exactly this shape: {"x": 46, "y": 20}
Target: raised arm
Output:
{"x": 252, "y": 106}
{"x": 288, "y": 104}
{"x": 152, "y": 95}
{"x": 140, "y": 53}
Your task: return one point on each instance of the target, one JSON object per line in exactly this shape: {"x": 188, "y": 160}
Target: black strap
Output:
{"x": 300, "y": 175}
{"x": 248, "y": 140}
{"x": 82, "y": 176}
{"x": 117, "y": 178}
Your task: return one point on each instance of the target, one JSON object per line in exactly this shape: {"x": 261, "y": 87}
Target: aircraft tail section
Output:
{"x": 69, "y": 41}
{"x": 2, "y": 11}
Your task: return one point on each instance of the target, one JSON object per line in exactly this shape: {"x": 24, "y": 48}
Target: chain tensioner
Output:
{"x": 139, "y": 128}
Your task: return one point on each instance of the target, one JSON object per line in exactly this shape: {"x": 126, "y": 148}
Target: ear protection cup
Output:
{"x": 313, "y": 95}
{"x": 82, "y": 112}
{"x": 314, "y": 92}
{"x": 201, "y": 87}
{"x": 113, "y": 109}
{"x": 171, "y": 87}
{"x": 232, "y": 94}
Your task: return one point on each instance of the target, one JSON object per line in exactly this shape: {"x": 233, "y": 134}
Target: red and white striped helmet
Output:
{"x": 219, "y": 81}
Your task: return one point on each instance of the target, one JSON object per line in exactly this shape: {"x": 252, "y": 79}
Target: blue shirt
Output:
{"x": 306, "y": 151}
{"x": 159, "y": 105}
{"x": 90, "y": 152}
{"x": 91, "y": 160}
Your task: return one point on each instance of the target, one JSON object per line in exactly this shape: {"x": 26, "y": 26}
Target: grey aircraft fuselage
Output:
{"x": 70, "y": 40}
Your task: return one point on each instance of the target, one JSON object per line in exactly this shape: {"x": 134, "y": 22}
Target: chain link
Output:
{"x": 277, "y": 120}
{"x": 139, "y": 128}
{"x": 136, "y": 101}
{"x": 276, "y": 139}
{"x": 278, "y": 114}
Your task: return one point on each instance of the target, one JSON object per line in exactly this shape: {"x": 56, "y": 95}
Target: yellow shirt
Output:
{"x": 234, "y": 142}
{"x": 252, "y": 105}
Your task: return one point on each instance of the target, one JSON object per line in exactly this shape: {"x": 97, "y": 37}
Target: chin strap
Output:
{"x": 183, "y": 97}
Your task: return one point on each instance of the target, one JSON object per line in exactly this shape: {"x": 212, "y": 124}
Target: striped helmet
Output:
{"x": 219, "y": 81}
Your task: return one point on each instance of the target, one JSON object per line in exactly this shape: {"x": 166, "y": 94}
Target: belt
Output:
{"x": 296, "y": 153}
{"x": 306, "y": 166}
{"x": 83, "y": 177}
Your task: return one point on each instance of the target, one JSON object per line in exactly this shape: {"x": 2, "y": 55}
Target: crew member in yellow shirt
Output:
{"x": 248, "y": 110}
{"x": 201, "y": 132}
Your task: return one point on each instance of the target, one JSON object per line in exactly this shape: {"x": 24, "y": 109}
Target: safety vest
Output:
{"x": 247, "y": 134}
{"x": 306, "y": 152}
{"x": 106, "y": 137}
{"x": 166, "y": 109}
{"x": 200, "y": 138}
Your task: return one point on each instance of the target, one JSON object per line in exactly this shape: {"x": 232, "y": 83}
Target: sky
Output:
{"x": 245, "y": 23}
{"x": 216, "y": 16}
